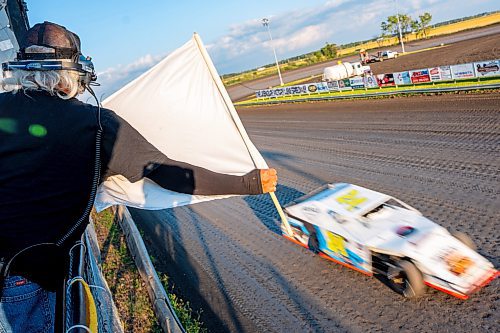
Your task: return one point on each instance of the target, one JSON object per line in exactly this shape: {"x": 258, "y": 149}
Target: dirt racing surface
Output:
{"x": 440, "y": 154}
{"x": 482, "y": 48}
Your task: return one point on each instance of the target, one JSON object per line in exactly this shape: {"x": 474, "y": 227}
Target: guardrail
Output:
{"x": 88, "y": 304}
{"x": 161, "y": 305}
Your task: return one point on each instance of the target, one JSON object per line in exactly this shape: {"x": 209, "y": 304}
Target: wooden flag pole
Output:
{"x": 232, "y": 111}
{"x": 284, "y": 220}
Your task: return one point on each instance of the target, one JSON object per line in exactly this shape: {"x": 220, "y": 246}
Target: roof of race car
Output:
{"x": 342, "y": 198}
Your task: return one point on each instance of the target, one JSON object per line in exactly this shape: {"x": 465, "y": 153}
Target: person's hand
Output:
{"x": 269, "y": 180}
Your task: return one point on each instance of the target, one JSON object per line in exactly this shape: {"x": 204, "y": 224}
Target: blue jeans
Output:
{"x": 26, "y": 308}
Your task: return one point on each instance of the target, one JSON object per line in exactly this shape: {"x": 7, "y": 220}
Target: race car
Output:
{"x": 374, "y": 233}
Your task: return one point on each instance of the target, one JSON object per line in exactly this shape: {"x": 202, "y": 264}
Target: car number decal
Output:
{"x": 335, "y": 243}
{"x": 351, "y": 200}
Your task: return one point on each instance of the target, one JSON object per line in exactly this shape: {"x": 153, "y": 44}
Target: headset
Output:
{"x": 83, "y": 66}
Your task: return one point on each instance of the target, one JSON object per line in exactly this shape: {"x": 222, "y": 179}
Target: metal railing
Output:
{"x": 87, "y": 303}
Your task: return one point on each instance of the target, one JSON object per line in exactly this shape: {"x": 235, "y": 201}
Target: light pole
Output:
{"x": 399, "y": 28}
{"x": 265, "y": 22}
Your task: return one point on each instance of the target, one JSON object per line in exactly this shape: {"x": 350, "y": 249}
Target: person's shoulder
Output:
{"x": 4, "y": 95}
{"x": 110, "y": 120}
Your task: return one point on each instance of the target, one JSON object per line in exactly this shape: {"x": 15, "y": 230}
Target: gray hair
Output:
{"x": 63, "y": 83}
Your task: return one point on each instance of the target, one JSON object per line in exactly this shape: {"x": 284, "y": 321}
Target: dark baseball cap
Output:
{"x": 59, "y": 41}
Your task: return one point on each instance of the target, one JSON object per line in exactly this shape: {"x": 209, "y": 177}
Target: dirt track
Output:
{"x": 441, "y": 154}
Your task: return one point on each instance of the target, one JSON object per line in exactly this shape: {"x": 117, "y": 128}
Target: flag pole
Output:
{"x": 232, "y": 111}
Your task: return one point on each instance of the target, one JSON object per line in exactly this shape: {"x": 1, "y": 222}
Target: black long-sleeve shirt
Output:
{"x": 47, "y": 156}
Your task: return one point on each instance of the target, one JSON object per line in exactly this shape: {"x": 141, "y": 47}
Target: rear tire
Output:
{"x": 464, "y": 238}
{"x": 406, "y": 279}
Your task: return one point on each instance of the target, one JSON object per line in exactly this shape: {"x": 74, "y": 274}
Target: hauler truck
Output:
{"x": 344, "y": 70}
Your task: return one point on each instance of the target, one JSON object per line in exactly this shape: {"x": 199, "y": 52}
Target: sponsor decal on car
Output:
{"x": 457, "y": 263}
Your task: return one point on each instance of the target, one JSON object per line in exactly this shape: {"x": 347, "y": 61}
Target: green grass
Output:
{"x": 126, "y": 285}
{"x": 189, "y": 319}
{"x": 430, "y": 86}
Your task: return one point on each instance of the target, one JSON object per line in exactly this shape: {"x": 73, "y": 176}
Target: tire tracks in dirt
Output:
{"x": 440, "y": 154}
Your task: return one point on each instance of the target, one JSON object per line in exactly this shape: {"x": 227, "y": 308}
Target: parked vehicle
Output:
{"x": 344, "y": 70}
{"x": 372, "y": 59}
{"x": 388, "y": 54}
{"x": 374, "y": 233}
{"x": 367, "y": 58}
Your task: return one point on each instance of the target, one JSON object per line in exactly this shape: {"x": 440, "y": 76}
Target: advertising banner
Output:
{"x": 370, "y": 81}
{"x": 401, "y": 78}
{"x": 487, "y": 68}
{"x": 282, "y": 91}
{"x": 317, "y": 87}
{"x": 445, "y": 73}
{"x": 462, "y": 71}
{"x": 333, "y": 85}
{"x": 385, "y": 80}
{"x": 344, "y": 84}
{"x": 421, "y": 75}
{"x": 440, "y": 73}
{"x": 357, "y": 82}
{"x": 435, "y": 74}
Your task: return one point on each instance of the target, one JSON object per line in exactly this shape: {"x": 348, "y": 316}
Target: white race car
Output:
{"x": 374, "y": 233}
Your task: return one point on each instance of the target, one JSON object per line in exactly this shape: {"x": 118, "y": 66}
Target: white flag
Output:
{"x": 182, "y": 108}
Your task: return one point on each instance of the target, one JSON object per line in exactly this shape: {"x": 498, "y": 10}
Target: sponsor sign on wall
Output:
{"x": 385, "y": 80}
{"x": 435, "y": 74}
{"x": 318, "y": 87}
{"x": 401, "y": 78}
{"x": 345, "y": 84}
{"x": 445, "y": 72}
{"x": 462, "y": 71}
{"x": 333, "y": 85}
{"x": 357, "y": 82}
{"x": 421, "y": 75}
{"x": 370, "y": 81}
{"x": 440, "y": 73}
{"x": 487, "y": 68}
{"x": 282, "y": 91}
{"x": 309, "y": 88}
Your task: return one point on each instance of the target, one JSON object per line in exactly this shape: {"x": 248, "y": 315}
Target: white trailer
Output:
{"x": 344, "y": 70}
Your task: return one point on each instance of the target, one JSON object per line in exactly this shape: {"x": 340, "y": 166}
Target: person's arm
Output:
{"x": 128, "y": 153}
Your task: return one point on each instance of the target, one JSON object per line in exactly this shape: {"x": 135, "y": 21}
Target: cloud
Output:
{"x": 295, "y": 32}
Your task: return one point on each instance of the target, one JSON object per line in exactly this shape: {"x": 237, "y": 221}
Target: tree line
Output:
{"x": 419, "y": 26}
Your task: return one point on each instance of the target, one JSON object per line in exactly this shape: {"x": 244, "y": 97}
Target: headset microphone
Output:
{"x": 84, "y": 67}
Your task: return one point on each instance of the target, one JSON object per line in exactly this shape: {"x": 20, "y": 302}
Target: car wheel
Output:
{"x": 464, "y": 238}
{"x": 406, "y": 279}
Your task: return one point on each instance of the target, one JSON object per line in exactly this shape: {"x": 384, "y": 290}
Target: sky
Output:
{"x": 125, "y": 37}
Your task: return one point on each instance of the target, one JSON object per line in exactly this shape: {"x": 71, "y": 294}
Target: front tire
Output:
{"x": 406, "y": 279}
